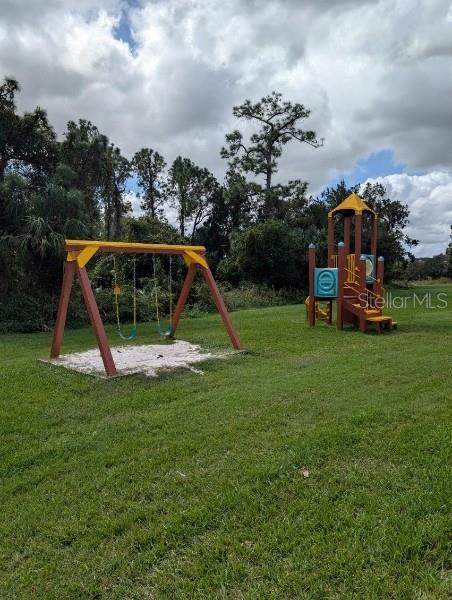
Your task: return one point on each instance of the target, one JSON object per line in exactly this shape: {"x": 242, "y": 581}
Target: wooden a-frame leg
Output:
{"x": 183, "y": 297}
{"x": 96, "y": 321}
{"x": 58, "y": 332}
{"x": 221, "y": 307}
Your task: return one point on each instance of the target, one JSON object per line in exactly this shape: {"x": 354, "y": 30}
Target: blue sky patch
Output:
{"x": 376, "y": 164}
{"x": 123, "y": 31}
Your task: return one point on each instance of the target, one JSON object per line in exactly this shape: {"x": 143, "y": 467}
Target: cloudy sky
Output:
{"x": 377, "y": 76}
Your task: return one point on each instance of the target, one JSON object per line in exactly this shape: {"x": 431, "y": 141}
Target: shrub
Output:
{"x": 23, "y": 312}
{"x": 250, "y": 295}
{"x": 269, "y": 253}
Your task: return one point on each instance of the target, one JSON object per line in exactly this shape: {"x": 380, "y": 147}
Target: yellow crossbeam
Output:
{"x": 83, "y": 250}
{"x": 71, "y": 245}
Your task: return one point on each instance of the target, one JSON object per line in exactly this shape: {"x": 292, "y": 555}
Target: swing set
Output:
{"x": 117, "y": 291}
{"x": 80, "y": 252}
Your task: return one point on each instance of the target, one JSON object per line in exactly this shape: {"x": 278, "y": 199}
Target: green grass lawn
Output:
{"x": 191, "y": 486}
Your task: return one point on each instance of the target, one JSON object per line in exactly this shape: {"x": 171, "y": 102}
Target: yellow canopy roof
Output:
{"x": 352, "y": 204}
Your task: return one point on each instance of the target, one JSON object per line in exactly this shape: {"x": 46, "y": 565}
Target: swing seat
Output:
{"x": 164, "y": 331}
{"x": 131, "y": 336}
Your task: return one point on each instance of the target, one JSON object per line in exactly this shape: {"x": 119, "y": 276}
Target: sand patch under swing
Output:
{"x": 146, "y": 359}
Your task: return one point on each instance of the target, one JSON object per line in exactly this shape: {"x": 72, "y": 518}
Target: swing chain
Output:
{"x": 170, "y": 286}
{"x": 168, "y": 331}
{"x": 117, "y": 293}
{"x": 134, "y": 292}
{"x": 156, "y": 297}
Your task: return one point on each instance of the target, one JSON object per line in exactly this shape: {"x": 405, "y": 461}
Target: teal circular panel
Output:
{"x": 325, "y": 281}
{"x": 370, "y": 267}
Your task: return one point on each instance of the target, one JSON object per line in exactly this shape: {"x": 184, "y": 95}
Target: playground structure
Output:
{"x": 80, "y": 252}
{"x": 354, "y": 280}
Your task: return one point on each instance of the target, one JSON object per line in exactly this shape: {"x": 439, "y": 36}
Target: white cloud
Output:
{"x": 375, "y": 74}
{"x": 429, "y": 198}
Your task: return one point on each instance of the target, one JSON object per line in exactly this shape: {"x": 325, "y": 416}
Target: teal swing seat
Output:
{"x": 133, "y": 334}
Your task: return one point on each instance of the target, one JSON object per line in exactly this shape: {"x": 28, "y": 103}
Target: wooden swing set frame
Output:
{"x": 80, "y": 252}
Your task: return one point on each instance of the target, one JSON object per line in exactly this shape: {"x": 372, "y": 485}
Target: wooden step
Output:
{"x": 380, "y": 319}
{"x": 354, "y": 308}
{"x": 369, "y": 311}
{"x": 384, "y": 320}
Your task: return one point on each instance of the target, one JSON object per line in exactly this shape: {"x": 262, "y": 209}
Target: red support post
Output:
{"x": 347, "y": 226}
{"x": 311, "y": 258}
{"x": 362, "y": 324}
{"x": 380, "y": 275}
{"x": 183, "y": 297}
{"x": 362, "y": 273}
{"x": 373, "y": 250}
{"x": 330, "y": 241}
{"x": 363, "y": 295}
{"x": 96, "y": 321}
{"x": 221, "y": 307}
{"x": 66, "y": 287}
{"x": 358, "y": 235}
{"x": 363, "y": 299}
{"x": 373, "y": 236}
{"x": 341, "y": 262}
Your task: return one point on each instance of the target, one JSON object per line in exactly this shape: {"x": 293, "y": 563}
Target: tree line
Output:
{"x": 255, "y": 230}
{"x": 432, "y": 267}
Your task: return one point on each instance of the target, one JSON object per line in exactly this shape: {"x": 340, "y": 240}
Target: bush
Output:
{"x": 200, "y": 302}
{"x": 23, "y": 312}
{"x": 250, "y": 295}
{"x": 270, "y": 253}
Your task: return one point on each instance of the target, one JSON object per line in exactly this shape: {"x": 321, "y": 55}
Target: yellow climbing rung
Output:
{"x": 351, "y": 268}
